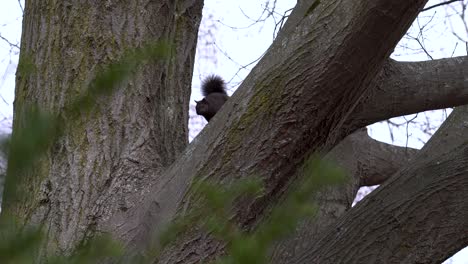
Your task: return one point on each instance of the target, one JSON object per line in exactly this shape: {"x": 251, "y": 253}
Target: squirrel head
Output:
{"x": 203, "y": 108}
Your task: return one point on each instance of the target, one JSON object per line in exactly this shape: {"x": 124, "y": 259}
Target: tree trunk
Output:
{"x": 134, "y": 134}
{"x": 326, "y": 75}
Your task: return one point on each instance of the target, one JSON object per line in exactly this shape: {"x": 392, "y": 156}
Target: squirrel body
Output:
{"x": 214, "y": 90}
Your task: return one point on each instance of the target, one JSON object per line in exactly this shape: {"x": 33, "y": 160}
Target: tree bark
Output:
{"x": 267, "y": 130}
{"x": 123, "y": 169}
{"x": 366, "y": 162}
{"x": 131, "y": 136}
{"x": 403, "y": 88}
{"x": 369, "y": 162}
{"x": 418, "y": 216}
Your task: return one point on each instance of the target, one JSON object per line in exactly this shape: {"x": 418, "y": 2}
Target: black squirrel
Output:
{"x": 214, "y": 90}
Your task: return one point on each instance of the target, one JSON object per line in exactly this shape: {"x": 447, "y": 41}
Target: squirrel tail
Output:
{"x": 213, "y": 84}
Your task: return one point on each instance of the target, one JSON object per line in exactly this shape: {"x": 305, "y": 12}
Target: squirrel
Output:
{"x": 214, "y": 90}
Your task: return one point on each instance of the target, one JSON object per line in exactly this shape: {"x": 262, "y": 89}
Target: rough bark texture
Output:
{"x": 369, "y": 162}
{"x": 131, "y": 136}
{"x": 422, "y": 208}
{"x": 365, "y": 161}
{"x": 305, "y": 88}
{"x": 316, "y": 84}
{"x": 402, "y": 88}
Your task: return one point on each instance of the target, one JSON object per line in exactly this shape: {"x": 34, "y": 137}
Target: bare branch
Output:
{"x": 379, "y": 161}
{"x": 420, "y": 196}
{"x": 9, "y": 42}
{"x": 366, "y": 161}
{"x": 440, "y": 4}
{"x": 308, "y": 97}
{"x": 21, "y": 6}
{"x": 404, "y": 88}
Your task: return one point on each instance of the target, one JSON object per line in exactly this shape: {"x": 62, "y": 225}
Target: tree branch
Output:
{"x": 367, "y": 162}
{"x": 421, "y": 209}
{"x": 440, "y": 4}
{"x": 379, "y": 161}
{"x": 403, "y": 88}
{"x": 9, "y": 43}
{"x": 296, "y": 101}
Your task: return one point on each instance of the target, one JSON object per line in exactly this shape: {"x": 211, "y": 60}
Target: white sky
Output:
{"x": 10, "y": 29}
{"x": 230, "y": 40}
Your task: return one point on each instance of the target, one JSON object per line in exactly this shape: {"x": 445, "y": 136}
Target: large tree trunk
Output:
{"x": 325, "y": 76}
{"x": 132, "y": 135}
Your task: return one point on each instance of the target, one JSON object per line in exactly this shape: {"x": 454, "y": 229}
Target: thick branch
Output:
{"x": 418, "y": 216}
{"x": 378, "y": 161}
{"x": 365, "y": 161}
{"x": 368, "y": 161}
{"x": 296, "y": 101}
{"x": 403, "y": 88}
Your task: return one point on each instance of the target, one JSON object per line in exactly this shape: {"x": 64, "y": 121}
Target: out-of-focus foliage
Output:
{"x": 36, "y": 131}
{"x": 21, "y": 245}
{"x": 216, "y": 204}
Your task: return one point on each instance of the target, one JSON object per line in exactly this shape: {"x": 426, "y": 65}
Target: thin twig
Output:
{"x": 440, "y": 4}
{"x": 21, "y": 6}
{"x": 9, "y": 43}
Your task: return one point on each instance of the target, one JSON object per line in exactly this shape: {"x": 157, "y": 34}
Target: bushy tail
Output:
{"x": 213, "y": 84}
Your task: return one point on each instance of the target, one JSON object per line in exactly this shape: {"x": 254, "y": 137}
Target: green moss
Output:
{"x": 261, "y": 106}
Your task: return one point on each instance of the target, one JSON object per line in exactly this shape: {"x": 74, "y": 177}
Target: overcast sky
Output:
{"x": 232, "y": 39}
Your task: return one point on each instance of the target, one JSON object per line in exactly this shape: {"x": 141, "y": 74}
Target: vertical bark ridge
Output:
{"x": 111, "y": 153}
